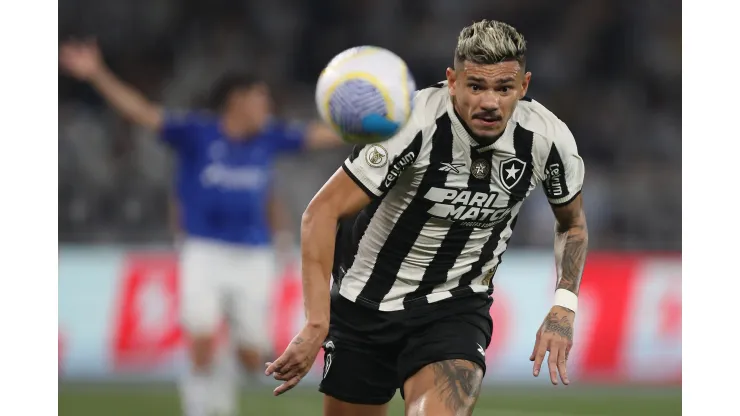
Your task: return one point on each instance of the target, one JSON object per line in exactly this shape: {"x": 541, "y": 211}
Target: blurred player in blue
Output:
{"x": 223, "y": 196}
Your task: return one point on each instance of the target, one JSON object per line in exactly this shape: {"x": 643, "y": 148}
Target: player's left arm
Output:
{"x": 296, "y": 136}
{"x": 563, "y": 180}
{"x": 320, "y": 136}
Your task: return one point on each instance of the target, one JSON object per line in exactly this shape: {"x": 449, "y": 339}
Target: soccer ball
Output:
{"x": 365, "y": 94}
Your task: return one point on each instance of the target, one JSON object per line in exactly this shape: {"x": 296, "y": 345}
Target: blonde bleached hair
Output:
{"x": 490, "y": 42}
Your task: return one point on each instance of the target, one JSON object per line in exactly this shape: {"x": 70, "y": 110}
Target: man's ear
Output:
{"x": 451, "y": 78}
{"x": 525, "y": 84}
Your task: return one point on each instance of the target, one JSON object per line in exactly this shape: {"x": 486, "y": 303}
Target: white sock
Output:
{"x": 195, "y": 393}
{"x": 225, "y": 390}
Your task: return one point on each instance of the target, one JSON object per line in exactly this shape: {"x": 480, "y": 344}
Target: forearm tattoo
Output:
{"x": 573, "y": 256}
{"x": 458, "y": 383}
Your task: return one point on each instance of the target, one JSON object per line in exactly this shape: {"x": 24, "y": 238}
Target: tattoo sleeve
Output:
{"x": 571, "y": 245}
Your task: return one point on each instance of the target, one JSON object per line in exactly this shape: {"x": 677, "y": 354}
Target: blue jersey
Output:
{"x": 223, "y": 185}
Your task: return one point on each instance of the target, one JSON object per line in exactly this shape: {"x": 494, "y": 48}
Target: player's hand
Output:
{"x": 556, "y": 336}
{"x": 81, "y": 59}
{"x": 297, "y": 359}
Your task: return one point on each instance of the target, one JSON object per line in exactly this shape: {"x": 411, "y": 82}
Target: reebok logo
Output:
{"x": 450, "y": 167}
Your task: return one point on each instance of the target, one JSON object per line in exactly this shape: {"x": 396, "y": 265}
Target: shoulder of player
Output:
{"x": 429, "y": 103}
{"x": 546, "y": 126}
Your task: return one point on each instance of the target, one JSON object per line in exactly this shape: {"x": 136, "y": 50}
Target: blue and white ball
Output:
{"x": 365, "y": 94}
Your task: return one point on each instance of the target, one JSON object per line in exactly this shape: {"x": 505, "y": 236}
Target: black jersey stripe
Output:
{"x": 406, "y": 230}
{"x": 555, "y": 185}
{"x": 454, "y": 242}
{"x": 523, "y": 142}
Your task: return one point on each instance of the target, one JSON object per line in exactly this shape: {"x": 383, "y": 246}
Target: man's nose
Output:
{"x": 490, "y": 101}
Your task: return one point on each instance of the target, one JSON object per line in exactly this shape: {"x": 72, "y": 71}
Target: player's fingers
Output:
{"x": 562, "y": 363}
{"x": 534, "y": 350}
{"x": 278, "y": 364}
{"x": 536, "y": 344}
{"x": 540, "y": 356}
{"x": 552, "y": 362}
{"x": 286, "y": 386}
{"x": 288, "y": 366}
{"x": 287, "y": 374}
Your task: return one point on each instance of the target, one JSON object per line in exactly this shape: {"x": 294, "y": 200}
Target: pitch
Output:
{"x": 505, "y": 401}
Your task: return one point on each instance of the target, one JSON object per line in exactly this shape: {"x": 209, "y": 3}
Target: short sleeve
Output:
{"x": 564, "y": 170}
{"x": 180, "y": 129}
{"x": 377, "y": 167}
{"x": 288, "y": 138}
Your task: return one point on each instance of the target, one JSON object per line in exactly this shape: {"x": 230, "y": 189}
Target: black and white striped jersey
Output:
{"x": 443, "y": 207}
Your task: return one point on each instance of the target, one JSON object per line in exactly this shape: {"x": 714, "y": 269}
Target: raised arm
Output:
{"x": 321, "y": 136}
{"x": 83, "y": 60}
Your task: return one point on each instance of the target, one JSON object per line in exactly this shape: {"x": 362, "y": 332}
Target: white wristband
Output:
{"x": 566, "y": 299}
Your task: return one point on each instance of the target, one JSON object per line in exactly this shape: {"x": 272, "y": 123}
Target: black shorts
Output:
{"x": 369, "y": 354}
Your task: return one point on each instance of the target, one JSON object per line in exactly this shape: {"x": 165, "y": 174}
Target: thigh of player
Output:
{"x": 443, "y": 364}
{"x": 249, "y": 289}
{"x": 360, "y": 374}
{"x": 201, "y": 266}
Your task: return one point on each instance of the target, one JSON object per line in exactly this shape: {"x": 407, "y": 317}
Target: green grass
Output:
{"x": 161, "y": 401}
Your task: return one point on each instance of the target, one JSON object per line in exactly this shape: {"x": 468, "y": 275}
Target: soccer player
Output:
{"x": 424, "y": 219}
{"x": 223, "y": 188}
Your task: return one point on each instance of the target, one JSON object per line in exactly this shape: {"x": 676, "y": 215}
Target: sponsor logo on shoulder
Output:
{"x": 401, "y": 163}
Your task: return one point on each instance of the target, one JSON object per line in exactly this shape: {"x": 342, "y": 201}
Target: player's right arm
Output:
{"x": 83, "y": 61}
{"x": 368, "y": 173}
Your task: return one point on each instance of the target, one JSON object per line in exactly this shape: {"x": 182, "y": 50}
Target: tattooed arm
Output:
{"x": 571, "y": 244}
{"x": 556, "y": 333}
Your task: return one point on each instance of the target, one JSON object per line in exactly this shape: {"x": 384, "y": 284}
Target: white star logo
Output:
{"x": 511, "y": 172}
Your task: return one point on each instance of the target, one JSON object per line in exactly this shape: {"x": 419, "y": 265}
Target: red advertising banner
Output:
{"x": 628, "y": 327}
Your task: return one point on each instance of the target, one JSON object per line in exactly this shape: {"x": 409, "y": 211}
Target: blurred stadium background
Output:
{"x": 611, "y": 69}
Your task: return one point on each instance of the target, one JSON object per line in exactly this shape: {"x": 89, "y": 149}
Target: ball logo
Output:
{"x": 376, "y": 156}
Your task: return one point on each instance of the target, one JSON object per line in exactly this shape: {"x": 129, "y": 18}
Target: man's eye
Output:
{"x": 475, "y": 87}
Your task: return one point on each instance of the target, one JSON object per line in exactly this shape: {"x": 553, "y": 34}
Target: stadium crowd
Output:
{"x": 610, "y": 69}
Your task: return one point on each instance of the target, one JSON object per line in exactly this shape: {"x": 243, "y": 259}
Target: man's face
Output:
{"x": 254, "y": 105}
{"x": 486, "y": 95}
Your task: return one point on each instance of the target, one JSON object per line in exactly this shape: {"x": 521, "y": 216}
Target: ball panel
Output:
{"x": 352, "y": 101}
{"x": 356, "y": 95}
